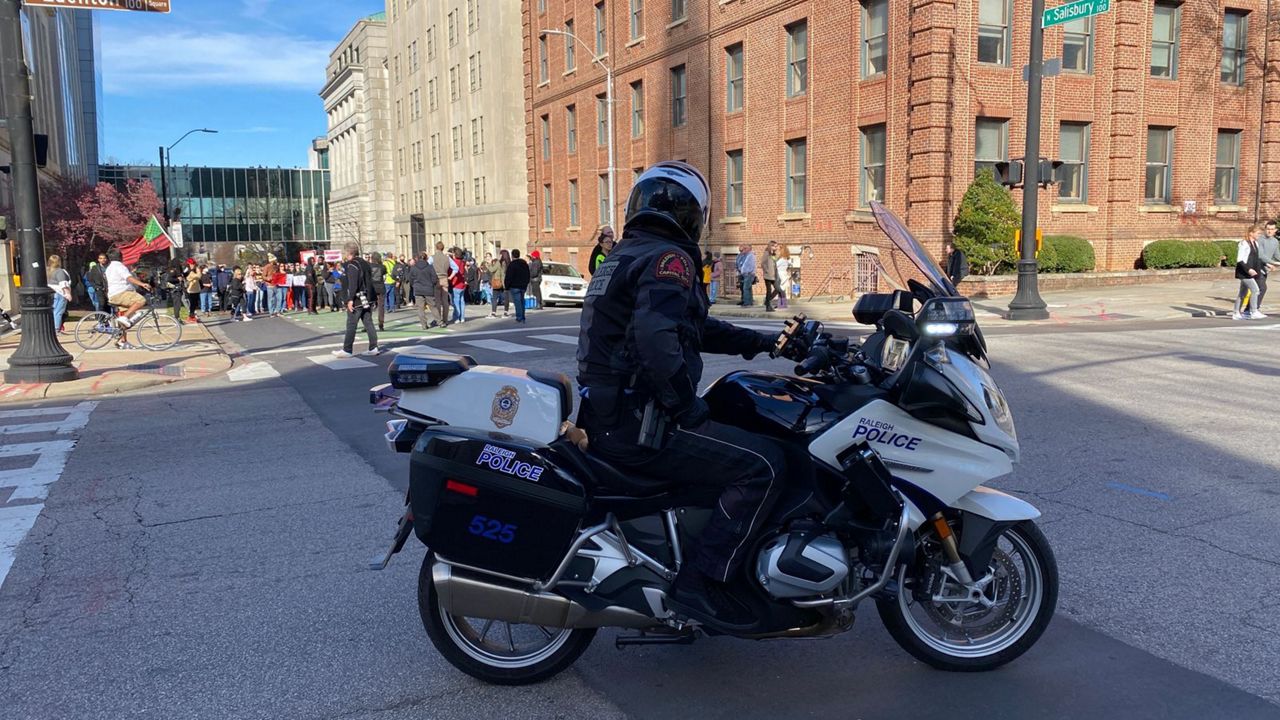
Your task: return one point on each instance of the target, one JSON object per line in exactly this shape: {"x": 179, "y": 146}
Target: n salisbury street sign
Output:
{"x": 156, "y": 6}
{"x": 1074, "y": 11}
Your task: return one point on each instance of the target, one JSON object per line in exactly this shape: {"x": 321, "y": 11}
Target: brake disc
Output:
{"x": 1004, "y": 592}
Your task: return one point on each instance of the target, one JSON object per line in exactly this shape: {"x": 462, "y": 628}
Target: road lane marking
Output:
{"x": 24, "y": 489}
{"x": 419, "y": 338}
{"x": 250, "y": 372}
{"x": 339, "y": 363}
{"x": 1138, "y": 491}
{"x": 501, "y": 346}
{"x": 566, "y": 339}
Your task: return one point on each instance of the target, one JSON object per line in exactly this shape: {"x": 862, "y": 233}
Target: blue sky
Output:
{"x": 251, "y": 69}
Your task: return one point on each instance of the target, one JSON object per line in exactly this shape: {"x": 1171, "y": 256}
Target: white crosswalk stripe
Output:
{"x": 336, "y": 363}
{"x": 565, "y": 339}
{"x": 22, "y": 490}
{"x": 252, "y": 371}
{"x": 501, "y": 346}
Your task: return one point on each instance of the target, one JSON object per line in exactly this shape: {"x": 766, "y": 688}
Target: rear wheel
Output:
{"x": 955, "y": 628}
{"x": 159, "y": 332}
{"x": 94, "y": 331}
{"x": 496, "y": 651}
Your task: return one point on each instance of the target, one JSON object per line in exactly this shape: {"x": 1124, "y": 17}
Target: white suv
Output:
{"x": 562, "y": 283}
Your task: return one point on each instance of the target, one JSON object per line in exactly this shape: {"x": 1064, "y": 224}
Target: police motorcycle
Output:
{"x": 533, "y": 543}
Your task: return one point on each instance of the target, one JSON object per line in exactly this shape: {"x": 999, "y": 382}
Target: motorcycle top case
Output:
{"x": 493, "y": 502}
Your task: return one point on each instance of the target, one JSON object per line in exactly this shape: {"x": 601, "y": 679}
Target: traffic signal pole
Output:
{"x": 1027, "y": 303}
{"x": 39, "y": 358}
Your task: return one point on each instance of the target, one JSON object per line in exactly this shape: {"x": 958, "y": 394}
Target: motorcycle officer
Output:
{"x": 644, "y": 326}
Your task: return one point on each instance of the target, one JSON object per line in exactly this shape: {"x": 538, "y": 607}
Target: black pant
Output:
{"x": 360, "y": 315}
{"x": 770, "y": 289}
{"x": 380, "y": 299}
{"x": 193, "y": 303}
{"x": 750, "y": 469}
{"x": 1262, "y": 288}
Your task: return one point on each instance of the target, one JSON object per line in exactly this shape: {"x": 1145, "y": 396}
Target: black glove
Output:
{"x": 763, "y": 344}
{"x": 693, "y": 415}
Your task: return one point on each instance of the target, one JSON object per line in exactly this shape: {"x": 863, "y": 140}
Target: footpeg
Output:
{"x": 684, "y": 638}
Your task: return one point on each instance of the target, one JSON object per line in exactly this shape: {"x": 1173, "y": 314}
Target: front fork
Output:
{"x": 952, "y": 550}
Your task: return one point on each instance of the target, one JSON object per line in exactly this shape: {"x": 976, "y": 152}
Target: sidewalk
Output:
{"x": 109, "y": 371}
{"x": 1165, "y": 301}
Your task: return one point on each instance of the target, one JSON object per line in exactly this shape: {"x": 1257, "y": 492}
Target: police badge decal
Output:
{"x": 505, "y": 406}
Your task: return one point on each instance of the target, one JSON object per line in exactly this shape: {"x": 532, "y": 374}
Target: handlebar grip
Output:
{"x": 812, "y": 364}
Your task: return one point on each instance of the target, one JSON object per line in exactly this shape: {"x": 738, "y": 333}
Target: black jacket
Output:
{"x": 309, "y": 275}
{"x": 517, "y": 276}
{"x": 1252, "y": 262}
{"x": 98, "y": 280}
{"x": 424, "y": 279}
{"x": 358, "y": 278}
{"x": 645, "y": 317}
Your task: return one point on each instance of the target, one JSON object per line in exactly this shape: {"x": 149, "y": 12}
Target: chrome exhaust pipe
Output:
{"x": 472, "y": 597}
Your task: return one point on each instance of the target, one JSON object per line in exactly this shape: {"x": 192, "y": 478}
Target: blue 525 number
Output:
{"x": 491, "y": 529}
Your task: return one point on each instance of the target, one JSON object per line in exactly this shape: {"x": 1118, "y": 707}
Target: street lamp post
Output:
{"x": 39, "y": 357}
{"x": 1027, "y": 303}
{"x": 165, "y": 159}
{"x": 608, "y": 100}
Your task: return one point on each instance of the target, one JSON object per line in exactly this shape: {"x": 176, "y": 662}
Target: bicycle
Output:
{"x": 154, "y": 330}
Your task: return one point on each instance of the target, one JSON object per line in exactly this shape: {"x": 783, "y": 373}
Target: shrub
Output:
{"x": 1228, "y": 249}
{"x": 985, "y": 224}
{"x": 1166, "y": 254}
{"x": 1066, "y": 254}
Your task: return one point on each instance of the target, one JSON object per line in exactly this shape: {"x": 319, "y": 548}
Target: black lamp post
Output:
{"x": 164, "y": 176}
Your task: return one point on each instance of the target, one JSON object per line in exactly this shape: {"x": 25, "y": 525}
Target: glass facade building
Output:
{"x": 226, "y": 212}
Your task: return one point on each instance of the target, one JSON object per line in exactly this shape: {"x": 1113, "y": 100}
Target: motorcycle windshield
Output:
{"x": 907, "y": 245}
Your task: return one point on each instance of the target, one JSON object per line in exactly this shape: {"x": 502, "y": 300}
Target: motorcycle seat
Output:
{"x": 605, "y": 479}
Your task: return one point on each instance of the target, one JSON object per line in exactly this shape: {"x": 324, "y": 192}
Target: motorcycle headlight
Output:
{"x": 999, "y": 408}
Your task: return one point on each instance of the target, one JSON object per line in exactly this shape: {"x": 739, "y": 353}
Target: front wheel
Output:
{"x": 159, "y": 332}
{"x": 959, "y": 629}
{"x": 496, "y": 651}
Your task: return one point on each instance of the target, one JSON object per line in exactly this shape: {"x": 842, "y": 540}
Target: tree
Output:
{"x": 985, "y": 225}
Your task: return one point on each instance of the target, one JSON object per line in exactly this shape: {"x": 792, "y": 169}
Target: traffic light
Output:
{"x": 1009, "y": 173}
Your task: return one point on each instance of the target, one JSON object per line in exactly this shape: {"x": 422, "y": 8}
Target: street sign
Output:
{"x": 155, "y": 6}
{"x": 1074, "y": 11}
{"x": 1049, "y": 68}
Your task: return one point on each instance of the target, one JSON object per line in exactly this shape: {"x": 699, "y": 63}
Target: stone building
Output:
{"x": 457, "y": 105}
{"x": 801, "y": 112}
{"x": 359, "y": 141}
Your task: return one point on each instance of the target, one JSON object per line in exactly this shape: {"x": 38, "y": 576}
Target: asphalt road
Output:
{"x": 203, "y": 551}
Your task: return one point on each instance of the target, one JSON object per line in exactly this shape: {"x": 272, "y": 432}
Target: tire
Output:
{"x": 446, "y": 633}
{"x": 896, "y": 614}
{"x": 158, "y": 332}
{"x": 94, "y": 331}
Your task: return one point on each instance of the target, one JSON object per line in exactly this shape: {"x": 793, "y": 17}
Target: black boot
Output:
{"x": 698, "y": 597}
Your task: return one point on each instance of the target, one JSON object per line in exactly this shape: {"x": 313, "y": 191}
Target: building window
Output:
{"x": 602, "y": 121}
{"x": 570, "y": 62}
{"x": 436, "y": 198}
{"x": 678, "y": 96}
{"x": 544, "y": 74}
{"x": 453, "y": 28}
{"x": 797, "y": 165}
{"x": 573, "y": 203}
{"x": 1165, "y": 29}
{"x": 1235, "y": 37}
{"x": 457, "y": 142}
{"x": 733, "y": 183}
{"x": 1077, "y": 46}
{"x": 431, "y": 94}
{"x": 396, "y": 69}
{"x": 1073, "y": 150}
{"x": 875, "y": 37}
{"x": 473, "y": 15}
{"x": 602, "y": 192}
{"x": 453, "y": 83}
{"x": 679, "y": 10}
{"x": 873, "y": 163}
{"x": 1159, "y": 165}
{"x": 1226, "y": 168}
{"x": 601, "y": 29}
{"x": 734, "y": 70}
{"x": 797, "y": 58}
{"x": 637, "y": 108}
{"x": 413, "y": 56}
{"x": 431, "y": 42}
{"x": 417, "y": 104}
{"x": 991, "y": 144}
{"x": 477, "y": 191}
{"x": 474, "y": 72}
{"x": 542, "y": 6}
{"x": 435, "y": 149}
{"x": 546, "y": 136}
{"x": 993, "y": 31}
{"x": 571, "y": 128}
{"x": 476, "y": 146}
{"x": 399, "y": 114}
{"x": 459, "y": 198}
{"x": 547, "y": 216}
{"x": 637, "y": 19}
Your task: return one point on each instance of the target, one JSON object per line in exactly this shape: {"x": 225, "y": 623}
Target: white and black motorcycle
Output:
{"x": 533, "y": 543}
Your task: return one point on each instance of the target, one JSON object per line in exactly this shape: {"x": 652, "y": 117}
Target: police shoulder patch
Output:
{"x": 674, "y": 266}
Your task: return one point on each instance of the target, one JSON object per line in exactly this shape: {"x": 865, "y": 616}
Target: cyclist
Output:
{"x": 120, "y": 284}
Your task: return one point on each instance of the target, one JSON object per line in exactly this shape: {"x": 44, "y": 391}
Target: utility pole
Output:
{"x": 164, "y": 189}
{"x": 39, "y": 358}
{"x": 1027, "y": 303}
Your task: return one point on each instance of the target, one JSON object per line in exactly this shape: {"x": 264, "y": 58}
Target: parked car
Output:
{"x": 562, "y": 284}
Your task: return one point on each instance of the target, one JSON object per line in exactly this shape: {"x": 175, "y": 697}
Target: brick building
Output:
{"x": 800, "y": 111}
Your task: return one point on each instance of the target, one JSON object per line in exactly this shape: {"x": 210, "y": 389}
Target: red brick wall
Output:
{"x": 929, "y": 100}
